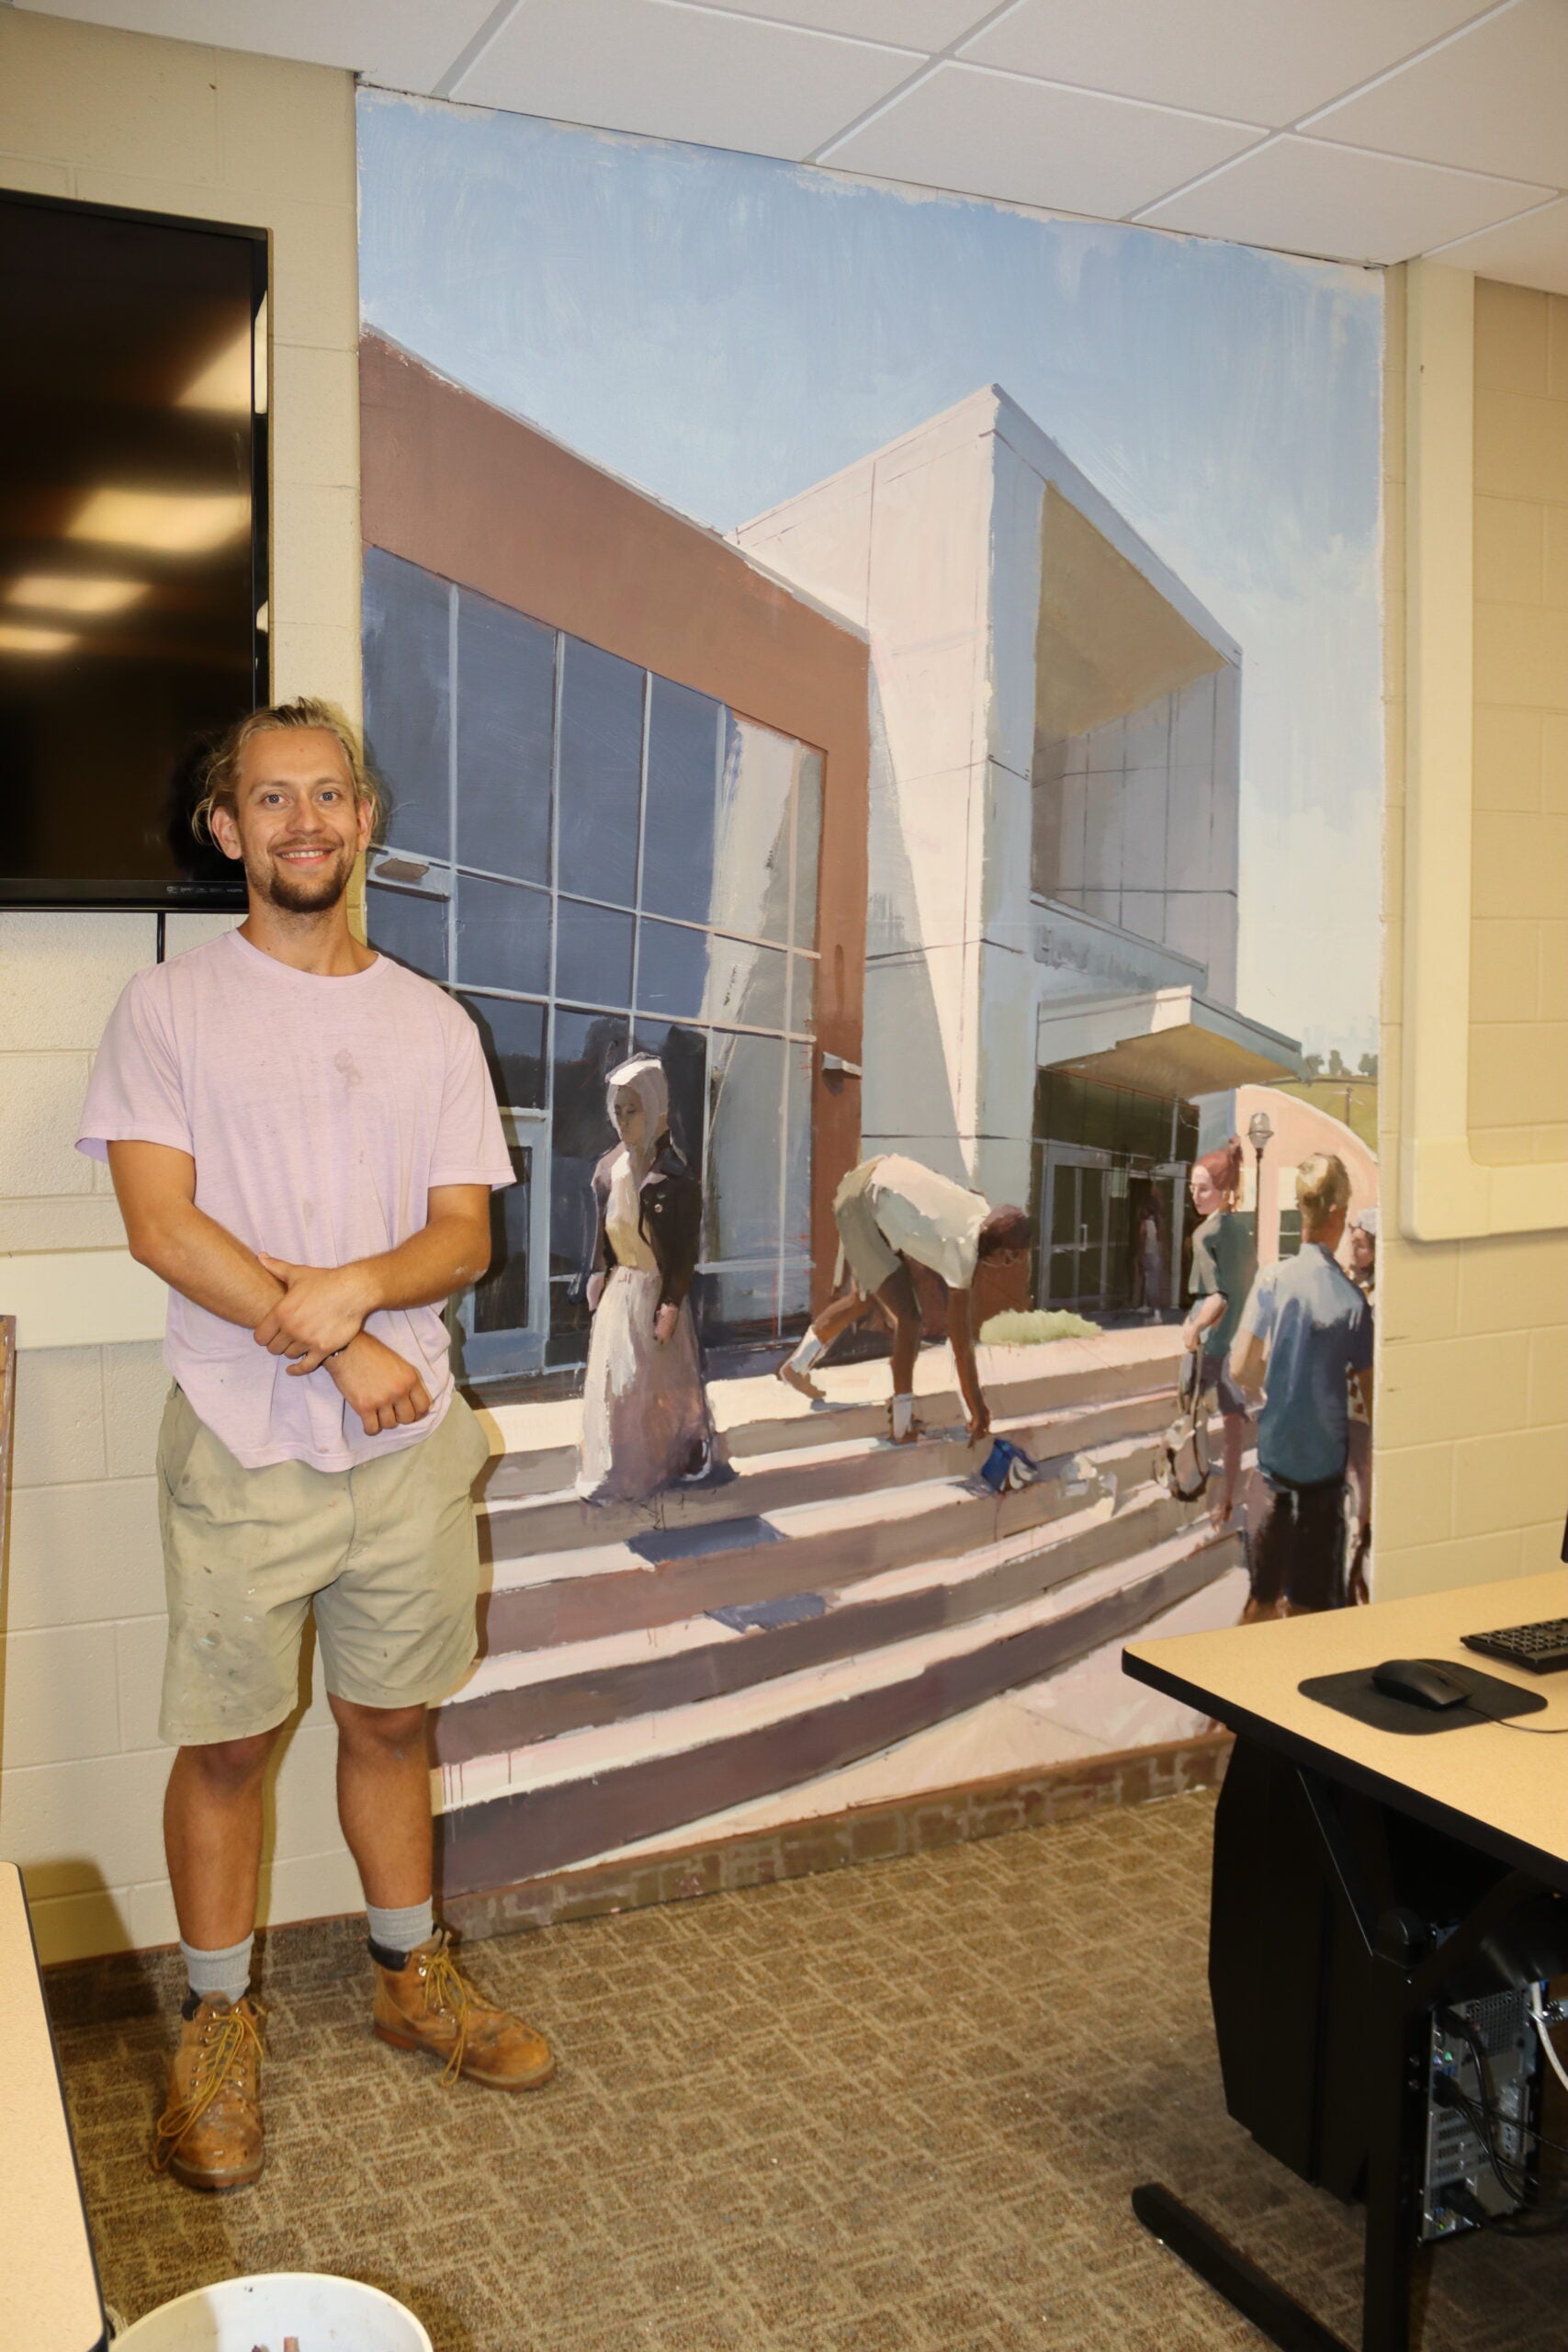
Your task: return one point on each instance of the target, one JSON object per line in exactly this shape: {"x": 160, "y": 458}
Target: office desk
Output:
{"x": 49, "y": 2281}
{"x": 1498, "y": 1796}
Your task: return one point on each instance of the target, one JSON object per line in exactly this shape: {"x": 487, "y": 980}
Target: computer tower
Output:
{"x": 1306, "y": 1876}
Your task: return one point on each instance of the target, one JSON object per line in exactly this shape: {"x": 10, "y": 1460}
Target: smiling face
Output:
{"x": 631, "y": 1123}
{"x": 295, "y": 824}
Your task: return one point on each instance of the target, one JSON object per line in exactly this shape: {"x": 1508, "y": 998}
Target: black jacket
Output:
{"x": 670, "y": 1218}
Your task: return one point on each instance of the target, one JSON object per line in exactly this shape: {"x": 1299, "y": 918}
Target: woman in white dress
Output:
{"x": 645, "y": 1422}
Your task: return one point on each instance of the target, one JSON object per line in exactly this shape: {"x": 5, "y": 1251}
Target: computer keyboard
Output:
{"x": 1542, "y": 1648}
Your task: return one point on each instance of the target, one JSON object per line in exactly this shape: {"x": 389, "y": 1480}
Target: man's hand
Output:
{"x": 383, "y": 1388}
{"x": 664, "y": 1322}
{"x": 979, "y": 1424}
{"x": 322, "y": 1309}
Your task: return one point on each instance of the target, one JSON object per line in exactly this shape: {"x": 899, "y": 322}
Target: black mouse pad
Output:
{"x": 1353, "y": 1694}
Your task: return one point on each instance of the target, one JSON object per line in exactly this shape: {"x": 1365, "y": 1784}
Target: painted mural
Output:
{"x": 879, "y": 695}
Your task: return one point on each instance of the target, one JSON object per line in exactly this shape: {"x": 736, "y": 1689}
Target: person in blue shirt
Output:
{"x": 1304, "y": 1342}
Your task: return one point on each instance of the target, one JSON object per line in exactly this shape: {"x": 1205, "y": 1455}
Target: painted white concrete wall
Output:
{"x": 117, "y": 118}
{"x": 933, "y": 546}
{"x": 1136, "y": 821}
{"x": 899, "y": 544}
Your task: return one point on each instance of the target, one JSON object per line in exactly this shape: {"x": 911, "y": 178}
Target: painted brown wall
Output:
{"x": 441, "y": 474}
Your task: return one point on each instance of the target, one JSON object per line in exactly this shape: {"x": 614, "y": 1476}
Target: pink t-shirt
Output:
{"x": 319, "y": 1113}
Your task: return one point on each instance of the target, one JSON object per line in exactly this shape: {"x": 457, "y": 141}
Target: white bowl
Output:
{"x": 327, "y": 2314}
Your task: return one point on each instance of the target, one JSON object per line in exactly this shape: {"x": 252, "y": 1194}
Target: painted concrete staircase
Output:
{"x": 644, "y": 1667}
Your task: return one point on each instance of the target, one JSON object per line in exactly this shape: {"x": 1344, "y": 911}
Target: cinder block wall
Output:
{"x": 1471, "y": 1423}
{"x": 159, "y": 126}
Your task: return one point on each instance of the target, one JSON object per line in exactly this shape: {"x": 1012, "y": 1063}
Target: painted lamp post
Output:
{"x": 1259, "y": 1129}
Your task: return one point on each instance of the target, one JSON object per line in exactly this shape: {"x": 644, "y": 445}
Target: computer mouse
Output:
{"x": 1420, "y": 1683}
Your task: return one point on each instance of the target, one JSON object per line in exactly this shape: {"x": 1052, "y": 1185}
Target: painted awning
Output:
{"x": 1165, "y": 1040}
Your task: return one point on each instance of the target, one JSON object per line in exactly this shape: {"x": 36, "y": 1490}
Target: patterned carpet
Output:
{"x": 898, "y": 2110}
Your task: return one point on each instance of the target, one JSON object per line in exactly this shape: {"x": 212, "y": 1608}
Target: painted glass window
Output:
{"x": 407, "y": 628}
{"x": 598, "y": 858}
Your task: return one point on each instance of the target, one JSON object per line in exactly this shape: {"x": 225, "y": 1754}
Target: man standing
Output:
{"x": 303, "y": 1141}
{"x": 1305, "y": 1341}
{"x": 888, "y": 1211}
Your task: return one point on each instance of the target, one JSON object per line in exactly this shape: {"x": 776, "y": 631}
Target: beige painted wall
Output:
{"x": 1472, "y": 1474}
{"x": 116, "y": 118}
{"x": 1473, "y": 1429}
{"x": 1518, "y": 1036}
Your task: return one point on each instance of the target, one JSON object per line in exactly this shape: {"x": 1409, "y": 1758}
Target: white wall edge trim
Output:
{"x": 80, "y": 1298}
{"x": 1445, "y": 1193}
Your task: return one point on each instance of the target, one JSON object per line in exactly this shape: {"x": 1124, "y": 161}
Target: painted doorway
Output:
{"x": 1075, "y": 1225}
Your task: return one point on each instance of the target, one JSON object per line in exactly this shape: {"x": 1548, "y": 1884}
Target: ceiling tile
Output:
{"x": 678, "y": 73}
{"x": 1029, "y": 142}
{"x": 908, "y": 24}
{"x": 1302, "y": 196}
{"x": 1531, "y": 251}
{"x": 407, "y": 44}
{"x": 1495, "y": 100}
{"x": 1256, "y": 61}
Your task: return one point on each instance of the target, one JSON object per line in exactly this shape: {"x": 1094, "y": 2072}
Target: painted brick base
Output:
{"x": 313, "y": 1952}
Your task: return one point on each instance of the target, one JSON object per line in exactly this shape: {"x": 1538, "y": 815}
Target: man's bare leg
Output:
{"x": 899, "y": 1302}
{"x": 383, "y": 1801}
{"x": 836, "y": 1317}
{"x": 212, "y": 1836}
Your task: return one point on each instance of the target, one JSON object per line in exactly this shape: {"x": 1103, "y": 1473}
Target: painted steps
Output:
{"x": 513, "y": 1815}
{"x": 535, "y": 1444}
{"x": 543, "y": 1524}
{"x": 752, "y": 1561}
{"x": 831, "y": 1597}
{"x": 676, "y": 1649}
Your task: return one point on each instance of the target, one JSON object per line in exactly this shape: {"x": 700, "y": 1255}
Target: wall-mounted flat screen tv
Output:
{"x": 132, "y": 545}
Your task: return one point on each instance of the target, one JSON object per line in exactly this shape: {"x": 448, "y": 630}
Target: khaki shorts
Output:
{"x": 863, "y": 1248}
{"x": 386, "y": 1555}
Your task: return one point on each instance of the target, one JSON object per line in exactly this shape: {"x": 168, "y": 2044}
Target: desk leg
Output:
{"x": 1395, "y": 2119}
{"x": 1246, "y": 2287}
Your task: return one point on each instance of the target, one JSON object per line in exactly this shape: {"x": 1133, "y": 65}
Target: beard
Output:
{"x": 301, "y": 894}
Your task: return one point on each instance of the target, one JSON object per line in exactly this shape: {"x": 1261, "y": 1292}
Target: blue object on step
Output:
{"x": 1008, "y": 1466}
{"x": 790, "y": 1610}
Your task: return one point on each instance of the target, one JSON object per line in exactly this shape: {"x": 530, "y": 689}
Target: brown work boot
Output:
{"x": 209, "y": 2134}
{"x": 428, "y": 2004}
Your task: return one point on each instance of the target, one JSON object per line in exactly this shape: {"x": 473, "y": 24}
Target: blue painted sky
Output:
{"x": 725, "y": 331}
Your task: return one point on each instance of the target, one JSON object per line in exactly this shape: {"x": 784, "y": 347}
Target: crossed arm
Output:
{"x": 313, "y": 1315}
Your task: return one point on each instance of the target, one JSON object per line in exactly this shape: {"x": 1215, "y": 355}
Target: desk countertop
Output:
{"x": 49, "y": 2291}
{"x": 1512, "y": 1786}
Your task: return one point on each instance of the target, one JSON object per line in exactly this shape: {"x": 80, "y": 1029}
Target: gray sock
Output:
{"x": 402, "y": 1931}
{"x": 227, "y": 1971}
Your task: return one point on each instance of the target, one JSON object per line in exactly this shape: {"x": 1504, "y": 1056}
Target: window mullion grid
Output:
{"x": 791, "y": 827}
{"x": 641, "y": 835}
{"x": 452, "y": 783}
{"x": 546, "y": 1172}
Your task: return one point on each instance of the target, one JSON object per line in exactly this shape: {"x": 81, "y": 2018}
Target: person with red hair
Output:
{"x": 1224, "y": 1261}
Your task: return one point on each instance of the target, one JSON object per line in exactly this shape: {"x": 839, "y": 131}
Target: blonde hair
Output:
{"x": 1323, "y": 1185}
{"x": 221, "y": 775}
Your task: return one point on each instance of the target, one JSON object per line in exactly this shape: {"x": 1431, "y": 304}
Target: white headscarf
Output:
{"x": 644, "y": 1076}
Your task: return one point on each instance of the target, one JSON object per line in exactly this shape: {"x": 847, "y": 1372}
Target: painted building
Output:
{"x": 1052, "y": 946}
{"x": 627, "y": 772}
{"x": 906, "y": 820}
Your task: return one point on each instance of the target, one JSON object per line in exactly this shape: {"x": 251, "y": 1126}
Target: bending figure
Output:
{"x": 889, "y": 1211}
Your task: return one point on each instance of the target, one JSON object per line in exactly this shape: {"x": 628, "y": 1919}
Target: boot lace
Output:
{"x": 224, "y": 2046}
{"x": 448, "y": 1991}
